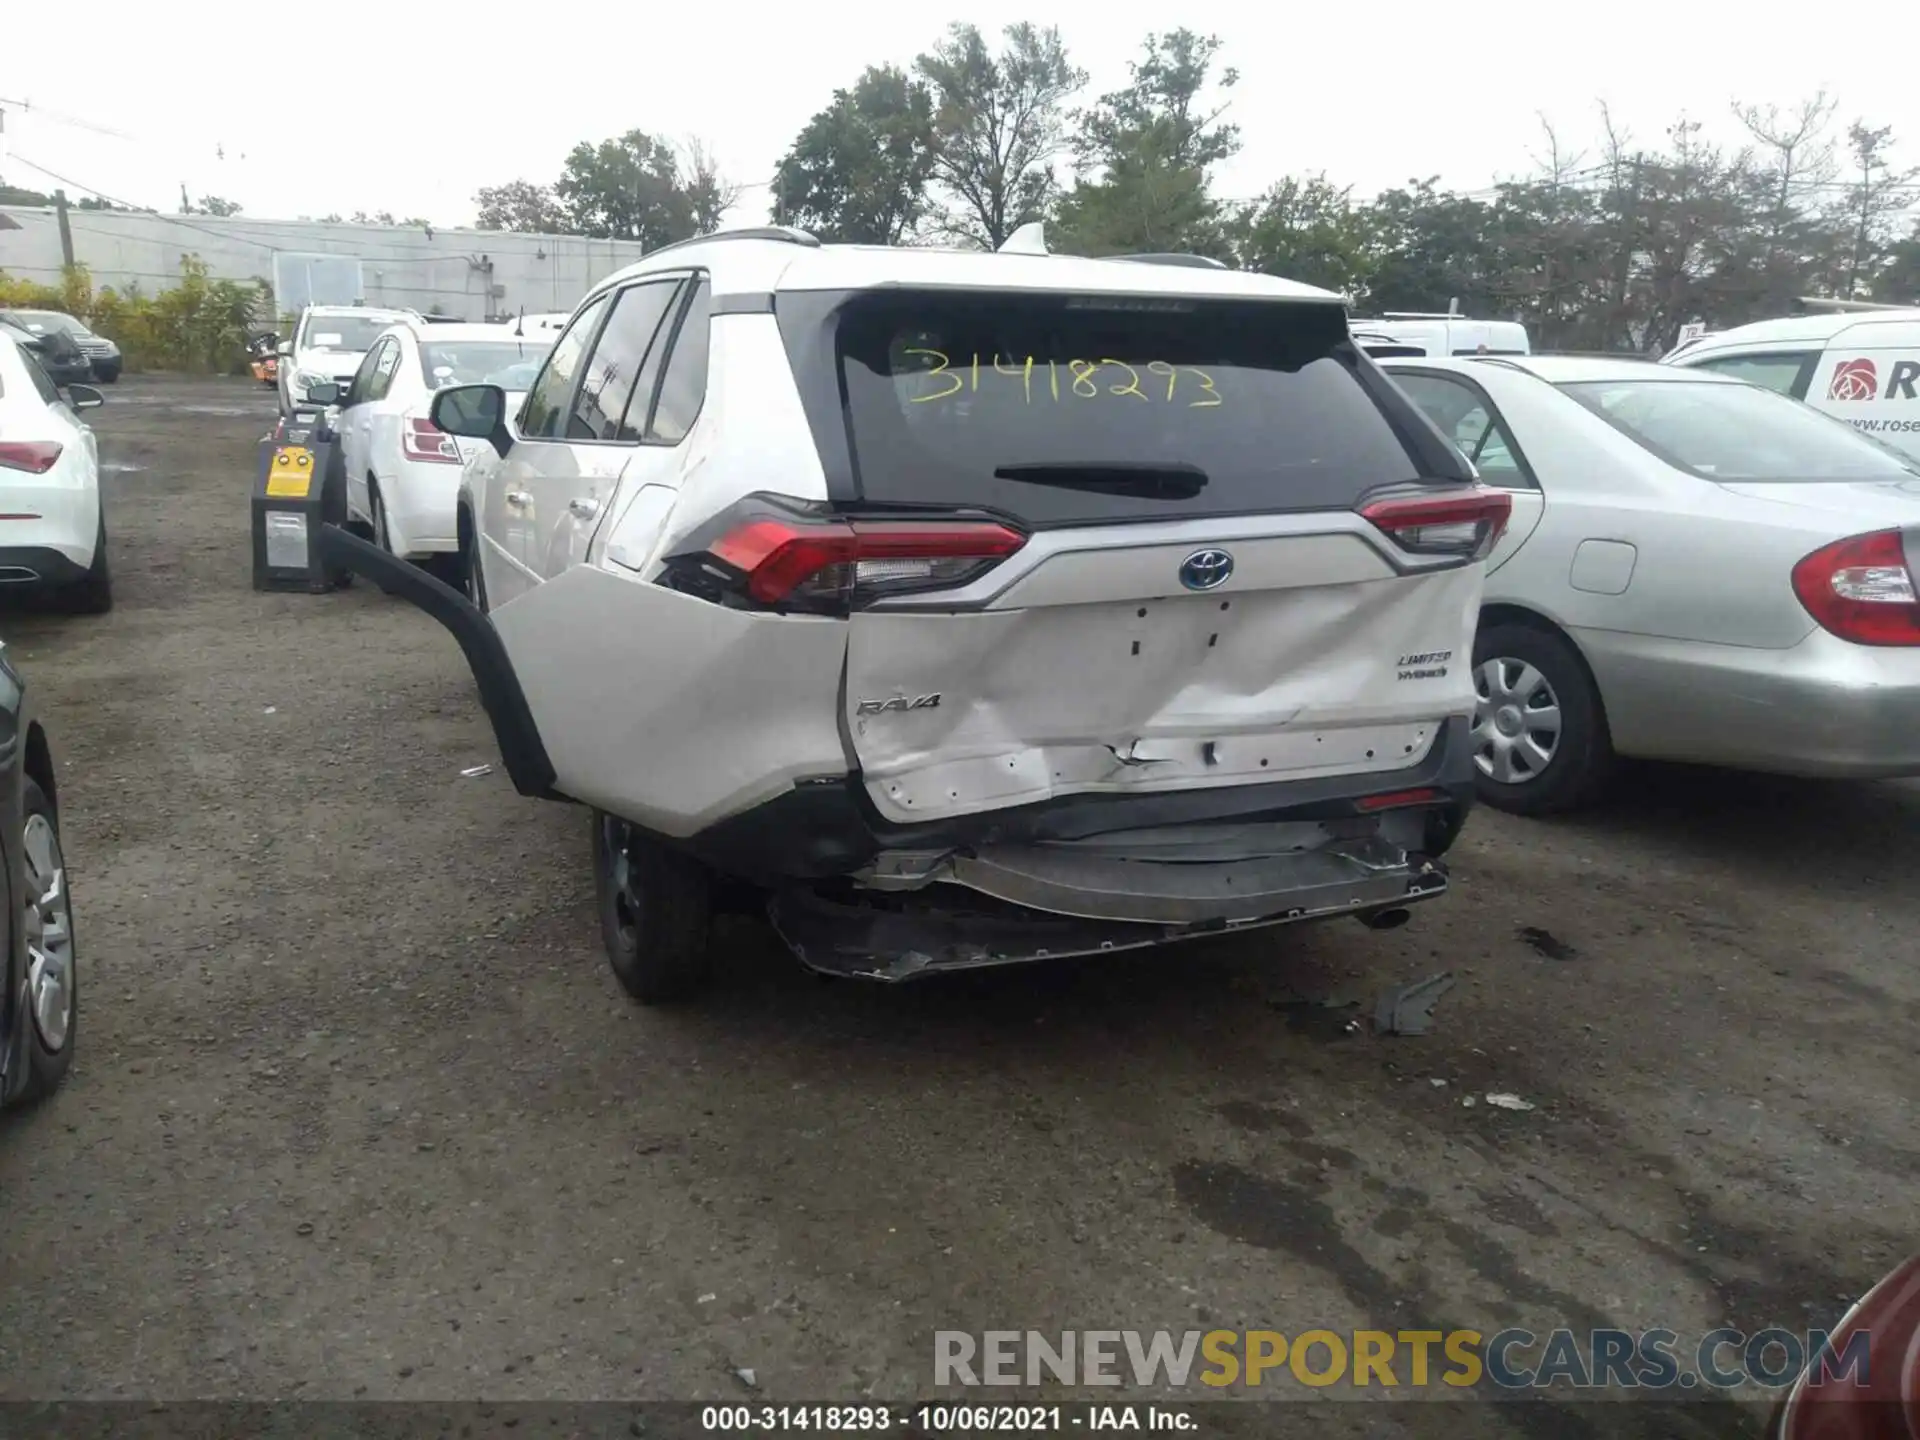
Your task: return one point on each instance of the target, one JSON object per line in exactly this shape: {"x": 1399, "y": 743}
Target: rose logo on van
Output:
{"x": 1854, "y": 380}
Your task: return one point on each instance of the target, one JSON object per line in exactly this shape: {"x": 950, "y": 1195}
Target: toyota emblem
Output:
{"x": 1206, "y": 569}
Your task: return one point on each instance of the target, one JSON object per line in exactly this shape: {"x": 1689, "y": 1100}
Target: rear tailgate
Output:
{"x": 1198, "y": 601}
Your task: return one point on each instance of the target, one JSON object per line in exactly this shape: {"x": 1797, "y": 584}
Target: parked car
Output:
{"x": 403, "y": 474}
{"x": 1696, "y": 569}
{"x": 53, "y": 527}
{"x": 53, "y": 351}
{"x": 328, "y": 344}
{"x": 39, "y": 1010}
{"x": 1443, "y": 334}
{"x": 103, "y": 356}
{"x": 1861, "y": 366}
{"x": 1865, "y": 1385}
{"x": 973, "y": 607}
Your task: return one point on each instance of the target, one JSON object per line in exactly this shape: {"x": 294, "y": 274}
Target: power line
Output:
{"x": 27, "y": 107}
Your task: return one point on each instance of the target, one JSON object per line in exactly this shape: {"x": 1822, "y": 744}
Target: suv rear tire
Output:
{"x": 92, "y": 593}
{"x": 1581, "y": 758}
{"x": 656, "y": 909}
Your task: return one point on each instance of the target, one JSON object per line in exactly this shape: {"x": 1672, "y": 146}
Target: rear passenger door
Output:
{"x": 1466, "y": 415}
{"x": 354, "y": 426}
{"x": 569, "y": 459}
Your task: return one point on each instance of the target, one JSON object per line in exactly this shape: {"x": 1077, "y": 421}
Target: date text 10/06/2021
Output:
{"x": 1058, "y": 380}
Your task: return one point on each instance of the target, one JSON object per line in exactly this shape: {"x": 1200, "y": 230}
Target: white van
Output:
{"x": 1412, "y": 334}
{"x": 1862, "y": 367}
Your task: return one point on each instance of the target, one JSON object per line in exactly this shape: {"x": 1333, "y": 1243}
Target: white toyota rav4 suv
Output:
{"x": 968, "y": 608}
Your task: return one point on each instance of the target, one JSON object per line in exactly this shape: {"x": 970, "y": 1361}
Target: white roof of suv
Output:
{"x": 758, "y": 261}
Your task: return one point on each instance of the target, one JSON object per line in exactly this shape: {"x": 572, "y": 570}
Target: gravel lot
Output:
{"x": 359, "y": 1112}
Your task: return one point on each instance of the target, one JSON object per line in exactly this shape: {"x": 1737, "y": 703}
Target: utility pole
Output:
{"x": 66, "y": 230}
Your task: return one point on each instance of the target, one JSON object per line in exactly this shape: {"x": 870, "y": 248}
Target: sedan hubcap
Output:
{"x": 49, "y": 931}
{"x": 1516, "y": 721}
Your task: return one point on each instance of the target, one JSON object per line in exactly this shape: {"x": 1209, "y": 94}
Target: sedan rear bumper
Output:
{"x": 1824, "y": 708}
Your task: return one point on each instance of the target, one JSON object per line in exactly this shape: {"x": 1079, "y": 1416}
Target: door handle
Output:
{"x": 586, "y": 509}
{"x": 518, "y": 499}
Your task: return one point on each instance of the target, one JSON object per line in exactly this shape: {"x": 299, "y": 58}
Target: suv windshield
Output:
{"x": 1063, "y": 409}
{"x": 354, "y": 333}
{"x": 1720, "y": 431}
{"x": 510, "y": 364}
{"x": 42, "y": 320}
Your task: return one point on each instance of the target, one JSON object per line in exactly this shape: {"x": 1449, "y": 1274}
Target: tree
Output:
{"x": 710, "y": 195}
{"x": 1306, "y": 229}
{"x": 626, "y": 188}
{"x": 207, "y": 205}
{"x": 1875, "y": 196}
{"x": 858, "y": 172}
{"x": 1143, "y": 153}
{"x": 998, "y": 123}
{"x": 519, "y": 205}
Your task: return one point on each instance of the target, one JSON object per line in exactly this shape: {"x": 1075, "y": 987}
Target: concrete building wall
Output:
{"x": 437, "y": 271}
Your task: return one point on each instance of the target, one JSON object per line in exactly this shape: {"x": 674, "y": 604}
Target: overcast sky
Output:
{"x": 410, "y": 106}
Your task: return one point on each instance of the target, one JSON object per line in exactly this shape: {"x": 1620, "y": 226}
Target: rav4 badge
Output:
{"x": 898, "y": 702}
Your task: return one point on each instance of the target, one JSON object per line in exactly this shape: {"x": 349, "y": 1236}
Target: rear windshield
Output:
{"x": 1060, "y": 409}
{"x": 510, "y": 364}
{"x": 1720, "y": 431}
{"x": 355, "y": 333}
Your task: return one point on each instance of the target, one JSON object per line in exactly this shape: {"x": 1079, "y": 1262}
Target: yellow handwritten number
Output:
{"x": 1132, "y": 387}
{"x": 1172, "y": 372}
{"x": 1083, "y": 373}
{"x": 1025, "y": 372}
{"x": 939, "y": 370}
{"x": 1206, "y": 384}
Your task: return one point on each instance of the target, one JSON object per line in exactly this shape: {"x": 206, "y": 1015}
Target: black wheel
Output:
{"x": 93, "y": 593}
{"x": 53, "y": 995}
{"x": 1540, "y": 742}
{"x": 107, "y": 374}
{"x": 381, "y": 535}
{"x": 655, "y": 908}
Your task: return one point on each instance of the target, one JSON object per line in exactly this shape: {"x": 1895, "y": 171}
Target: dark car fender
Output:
{"x": 24, "y": 752}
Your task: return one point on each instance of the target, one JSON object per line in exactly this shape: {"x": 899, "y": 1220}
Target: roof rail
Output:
{"x": 1194, "y": 262}
{"x": 787, "y": 233}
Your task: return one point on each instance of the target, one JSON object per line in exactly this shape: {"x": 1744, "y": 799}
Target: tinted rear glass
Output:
{"x": 1719, "y": 431}
{"x": 1060, "y": 409}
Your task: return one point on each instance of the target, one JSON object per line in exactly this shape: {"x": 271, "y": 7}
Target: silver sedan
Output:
{"x": 1696, "y": 569}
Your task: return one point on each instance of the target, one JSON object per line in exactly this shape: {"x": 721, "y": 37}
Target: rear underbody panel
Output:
{"x": 948, "y": 927}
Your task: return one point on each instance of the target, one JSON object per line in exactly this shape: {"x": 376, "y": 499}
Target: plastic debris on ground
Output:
{"x": 1509, "y": 1102}
{"x": 474, "y": 772}
{"x": 1409, "y": 1010}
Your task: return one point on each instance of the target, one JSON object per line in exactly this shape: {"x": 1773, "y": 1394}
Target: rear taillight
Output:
{"x": 1464, "y": 522}
{"x": 781, "y": 560}
{"x": 1862, "y": 589}
{"x": 36, "y": 457}
{"x": 421, "y": 439}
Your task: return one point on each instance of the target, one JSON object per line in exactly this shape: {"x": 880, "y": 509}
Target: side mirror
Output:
{"x": 85, "y": 397}
{"x": 324, "y": 394}
{"x": 285, "y": 347}
{"x": 478, "y": 412}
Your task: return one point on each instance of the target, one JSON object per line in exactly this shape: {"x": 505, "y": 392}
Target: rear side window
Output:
{"x": 683, "y": 389}
{"x": 1786, "y": 373}
{"x": 1062, "y": 409}
{"x": 626, "y": 362}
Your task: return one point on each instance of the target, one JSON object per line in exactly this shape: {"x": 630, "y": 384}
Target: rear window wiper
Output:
{"x": 1141, "y": 479}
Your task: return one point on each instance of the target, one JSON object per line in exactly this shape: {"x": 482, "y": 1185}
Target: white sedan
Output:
{"x": 403, "y": 474}
{"x": 53, "y": 528}
{"x": 1696, "y": 569}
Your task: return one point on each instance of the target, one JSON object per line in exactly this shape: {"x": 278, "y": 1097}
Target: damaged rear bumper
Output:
{"x": 986, "y": 911}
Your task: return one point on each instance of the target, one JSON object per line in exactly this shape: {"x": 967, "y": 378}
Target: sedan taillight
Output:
{"x": 421, "y": 439}
{"x": 1465, "y": 522}
{"x": 36, "y": 457}
{"x": 1862, "y": 589}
